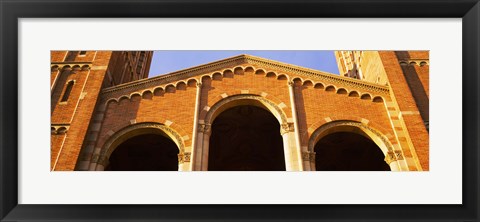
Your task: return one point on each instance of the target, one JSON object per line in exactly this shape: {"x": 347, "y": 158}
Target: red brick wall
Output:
{"x": 176, "y": 102}
{"x": 313, "y": 105}
{"x": 56, "y": 144}
{"x": 406, "y": 102}
{"x": 90, "y": 81}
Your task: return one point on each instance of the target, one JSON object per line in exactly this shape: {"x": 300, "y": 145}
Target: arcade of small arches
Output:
{"x": 75, "y": 67}
{"x": 348, "y": 88}
{"x": 249, "y": 133}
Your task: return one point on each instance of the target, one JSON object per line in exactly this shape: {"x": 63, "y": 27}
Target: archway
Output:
{"x": 146, "y": 146}
{"x": 353, "y": 146}
{"x": 246, "y": 137}
{"x": 347, "y": 151}
{"x": 145, "y": 152}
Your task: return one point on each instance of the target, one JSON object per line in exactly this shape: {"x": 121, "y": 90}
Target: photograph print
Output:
{"x": 232, "y": 110}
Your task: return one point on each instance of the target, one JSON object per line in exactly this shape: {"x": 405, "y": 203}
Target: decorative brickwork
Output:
{"x": 387, "y": 103}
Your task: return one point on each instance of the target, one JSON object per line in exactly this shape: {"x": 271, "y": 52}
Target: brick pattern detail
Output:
{"x": 417, "y": 137}
{"x": 98, "y": 108}
{"x": 79, "y": 109}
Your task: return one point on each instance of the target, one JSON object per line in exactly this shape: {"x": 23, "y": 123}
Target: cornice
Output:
{"x": 244, "y": 59}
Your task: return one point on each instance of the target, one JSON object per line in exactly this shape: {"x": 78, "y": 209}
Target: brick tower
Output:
{"x": 77, "y": 77}
{"x": 407, "y": 75}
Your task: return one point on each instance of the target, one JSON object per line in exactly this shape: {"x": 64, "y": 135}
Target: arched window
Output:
{"x": 66, "y": 94}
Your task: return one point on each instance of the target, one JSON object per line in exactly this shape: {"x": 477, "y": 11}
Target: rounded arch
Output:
{"x": 61, "y": 130}
{"x": 271, "y": 75}
{"x": 341, "y": 91}
{"x": 366, "y": 96}
{"x": 147, "y": 94}
{"x": 192, "y": 82}
{"x": 353, "y": 94}
{"x": 76, "y": 67}
{"x": 66, "y": 67}
{"x": 109, "y": 102}
{"x": 282, "y": 77}
{"x": 377, "y": 99}
{"x": 247, "y": 99}
{"x": 146, "y": 91}
{"x": 260, "y": 72}
{"x": 230, "y": 102}
{"x": 298, "y": 80}
{"x": 308, "y": 83}
{"x": 319, "y": 86}
{"x": 249, "y": 69}
{"x": 217, "y": 76}
{"x": 227, "y": 73}
{"x": 170, "y": 88}
{"x": 135, "y": 94}
{"x": 331, "y": 88}
{"x": 351, "y": 126}
{"x": 123, "y": 98}
{"x": 158, "y": 91}
{"x": 181, "y": 85}
{"x": 138, "y": 129}
{"x": 54, "y": 68}
{"x": 238, "y": 70}
{"x": 85, "y": 67}
{"x": 206, "y": 77}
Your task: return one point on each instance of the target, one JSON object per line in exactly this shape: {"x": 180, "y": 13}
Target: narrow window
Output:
{"x": 66, "y": 94}
{"x": 82, "y": 53}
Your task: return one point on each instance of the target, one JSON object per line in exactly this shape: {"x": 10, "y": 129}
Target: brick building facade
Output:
{"x": 240, "y": 113}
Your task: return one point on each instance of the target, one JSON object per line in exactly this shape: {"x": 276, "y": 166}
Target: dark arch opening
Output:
{"x": 246, "y": 138}
{"x": 346, "y": 151}
{"x": 146, "y": 152}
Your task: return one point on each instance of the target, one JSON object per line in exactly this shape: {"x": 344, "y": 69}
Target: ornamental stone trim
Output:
{"x": 311, "y": 144}
{"x": 308, "y": 156}
{"x": 287, "y": 127}
{"x": 393, "y": 156}
{"x": 107, "y": 149}
{"x": 83, "y": 66}
{"x": 184, "y": 157}
{"x": 326, "y": 78}
{"x": 229, "y": 99}
{"x": 59, "y": 128}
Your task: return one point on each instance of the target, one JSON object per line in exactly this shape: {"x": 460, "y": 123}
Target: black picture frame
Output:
{"x": 12, "y": 10}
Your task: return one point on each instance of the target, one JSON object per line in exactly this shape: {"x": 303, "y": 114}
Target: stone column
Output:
{"x": 204, "y": 134}
{"x": 298, "y": 152}
{"x": 195, "y": 141}
{"x": 181, "y": 162}
{"x": 308, "y": 160}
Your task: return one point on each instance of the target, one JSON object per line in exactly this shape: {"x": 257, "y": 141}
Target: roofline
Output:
{"x": 243, "y": 59}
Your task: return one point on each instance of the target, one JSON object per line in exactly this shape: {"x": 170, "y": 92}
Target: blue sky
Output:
{"x": 166, "y": 61}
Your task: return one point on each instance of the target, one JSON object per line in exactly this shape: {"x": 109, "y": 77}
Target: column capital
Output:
{"x": 286, "y": 128}
{"x": 393, "y": 156}
{"x": 291, "y": 83}
{"x": 204, "y": 128}
{"x": 199, "y": 84}
{"x": 184, "y": 157}
{"x": 308, "y": 156}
